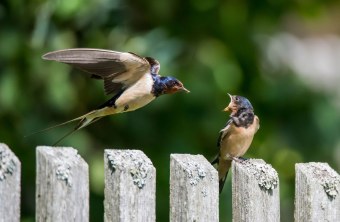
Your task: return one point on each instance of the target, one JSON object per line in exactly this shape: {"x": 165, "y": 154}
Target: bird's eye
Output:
{"x": 236, "y": 99}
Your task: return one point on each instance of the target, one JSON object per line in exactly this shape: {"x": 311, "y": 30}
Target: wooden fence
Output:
{"x": 62, "y": 188}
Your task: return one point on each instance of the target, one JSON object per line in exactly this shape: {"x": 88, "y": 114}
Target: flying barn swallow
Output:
{"x": 131, "y": 79}
{"x": 236, "y": 137}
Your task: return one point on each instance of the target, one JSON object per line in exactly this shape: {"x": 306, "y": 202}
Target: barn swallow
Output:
{"x": 236, "y": 137}
{"x": 131, "y": 79}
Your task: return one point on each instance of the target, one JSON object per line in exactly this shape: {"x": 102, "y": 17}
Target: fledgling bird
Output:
{"x": 236, "y": 137}
{"x": 131, "y": 79}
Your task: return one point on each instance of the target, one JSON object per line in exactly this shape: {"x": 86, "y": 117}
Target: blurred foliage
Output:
{"x": 211, "y": 46}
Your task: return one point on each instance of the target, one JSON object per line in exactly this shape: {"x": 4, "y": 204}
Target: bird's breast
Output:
{"x": 237, "y": 142}
{"x": 137, "y": 95}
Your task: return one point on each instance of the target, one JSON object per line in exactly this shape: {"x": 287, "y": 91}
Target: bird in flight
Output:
{"x": 131, "y": 79}
{"x": 235, "y": 138}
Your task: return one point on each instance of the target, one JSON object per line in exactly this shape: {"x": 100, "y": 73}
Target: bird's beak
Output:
{"x": 184, "y": 89}
{"x": 228, "y": 108}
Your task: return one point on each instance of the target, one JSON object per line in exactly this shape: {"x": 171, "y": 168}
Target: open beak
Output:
{"x": 228, "y": 108}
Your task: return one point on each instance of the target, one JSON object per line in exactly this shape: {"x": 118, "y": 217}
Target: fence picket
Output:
{"x": 10, "y": 173}
{"x": 62, "y": 185}
{"x": 130, "y": 186}
{"x": 317, "y": 196}
{"x": 193, "y": 189}
{"x": 255, "y": 192}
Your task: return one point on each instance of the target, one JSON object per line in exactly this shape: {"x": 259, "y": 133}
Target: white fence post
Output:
{"x": 130, "y": 186}
{"x": 317, "y": 193}
{"x": 193, "y": 189}
{"x": 255, "y": 192}
{"x": 62, "y": 185}
{"x": 10, "y": 172}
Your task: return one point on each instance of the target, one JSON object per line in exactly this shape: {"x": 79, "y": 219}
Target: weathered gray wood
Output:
{"x": 130, "y": 186}
{"x": 62, "y": 185}
{"x": 255, "y": 192}
{"x": 317, "y": 197}
{"x": 10, "y": 171}
{"x": 193, "y": 189}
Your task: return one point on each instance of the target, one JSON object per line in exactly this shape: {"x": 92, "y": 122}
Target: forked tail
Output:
{"x": 85, "y": 120}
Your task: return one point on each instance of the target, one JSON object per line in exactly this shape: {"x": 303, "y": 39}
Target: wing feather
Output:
{"x": 257, "y": 123}
{"x": 224, "y": 132}
{"x": 119, "y": 70}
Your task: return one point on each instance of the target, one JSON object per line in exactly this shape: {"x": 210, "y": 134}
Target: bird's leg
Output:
{"x": 242, "y": 158}
{"x": 236, "y": 159}
{"x": 239, "y": 159}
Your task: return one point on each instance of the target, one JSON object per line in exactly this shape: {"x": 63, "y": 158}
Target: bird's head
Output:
{"x": 236, "y": 103}
{"x": 172, "y": 85}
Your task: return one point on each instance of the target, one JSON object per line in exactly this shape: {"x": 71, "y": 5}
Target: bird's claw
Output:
{"x": 238, "y": 159}
{"x": 242, "y": 158}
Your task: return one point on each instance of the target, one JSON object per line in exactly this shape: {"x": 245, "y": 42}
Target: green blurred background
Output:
{"x": 282, "y": 55}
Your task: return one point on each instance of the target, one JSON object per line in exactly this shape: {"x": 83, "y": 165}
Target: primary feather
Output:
{"x": 119, "y": 70}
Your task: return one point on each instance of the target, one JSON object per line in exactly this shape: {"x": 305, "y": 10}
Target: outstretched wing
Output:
{"x": 119, "y": 70}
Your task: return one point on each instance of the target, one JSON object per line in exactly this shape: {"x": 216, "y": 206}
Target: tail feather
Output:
{"x": 83, "y": 123}
{"x": 223, "y": 169}
{"x": 85, "y": 120}
{"x": 55, "y": 126}
{"x": 215, "y": 160}
{"x": 221, "y": 182}
{"x": 63, "y": 137}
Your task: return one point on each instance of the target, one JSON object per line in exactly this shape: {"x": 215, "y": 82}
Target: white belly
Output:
{"x": 137, "y": 96}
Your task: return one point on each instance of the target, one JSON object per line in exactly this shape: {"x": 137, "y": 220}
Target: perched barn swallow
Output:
{"x": 236, "y": 137}
{"x": 131, "y": 79}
